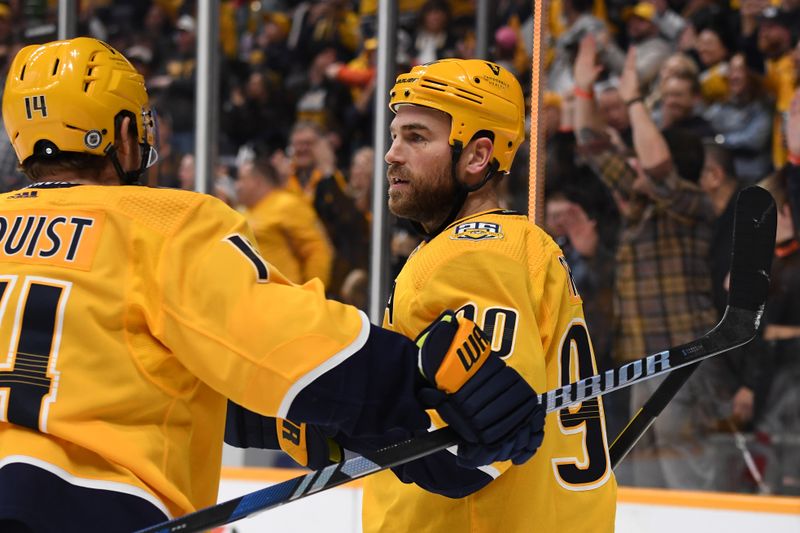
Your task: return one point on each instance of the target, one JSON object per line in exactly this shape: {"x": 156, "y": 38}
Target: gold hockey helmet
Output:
{"x": 63, "y": 96}
{"x": 478, "y": 95}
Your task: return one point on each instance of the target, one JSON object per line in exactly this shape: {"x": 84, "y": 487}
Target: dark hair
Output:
{"x": 582, "y": 6}
{"x": 264, "y": 168}
{"x": 720, "y": 20}
{"x": 434, "y": 5}
{"x": 688, "y": 154}
{"x": 721, "y": 156}
{"x": 40, "y": 166}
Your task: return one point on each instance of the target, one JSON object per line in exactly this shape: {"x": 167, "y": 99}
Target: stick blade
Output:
{"x": 754, "y": 224}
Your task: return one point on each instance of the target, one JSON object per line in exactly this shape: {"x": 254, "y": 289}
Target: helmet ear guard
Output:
{"x": 66, "y": 96}
{"x": 149, "y": 155}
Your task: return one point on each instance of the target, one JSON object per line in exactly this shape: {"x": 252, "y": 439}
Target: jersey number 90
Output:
{"x": 499, "y": 324}
{"x": 583, "y": 420}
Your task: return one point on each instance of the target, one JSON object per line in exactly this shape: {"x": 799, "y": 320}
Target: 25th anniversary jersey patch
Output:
{"x": 477, "y": 231}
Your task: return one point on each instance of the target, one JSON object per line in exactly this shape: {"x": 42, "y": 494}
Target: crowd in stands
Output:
{"x": 655, "y": 114}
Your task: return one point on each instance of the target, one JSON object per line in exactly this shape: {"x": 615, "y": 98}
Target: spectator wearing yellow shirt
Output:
{"x": 288, "y": 232}
{"x": 324, "y": 24}
{"x": 775, "y": 37}
{"x": 714, "y": 51}
{"x": 768, "y": 35}
{"x": 311, "y": 173}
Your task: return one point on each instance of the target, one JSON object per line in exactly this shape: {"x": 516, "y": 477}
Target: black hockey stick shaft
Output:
{"x": 753, "y": 243}
{"x": 647, "y": 413}
{"x": 738, "y": 325}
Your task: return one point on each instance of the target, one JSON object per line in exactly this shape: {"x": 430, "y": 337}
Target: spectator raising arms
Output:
{"x": 663, "y": 285}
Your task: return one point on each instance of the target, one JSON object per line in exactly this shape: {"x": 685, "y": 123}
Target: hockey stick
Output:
{"x": 753, "y": 247}
{"x": 754, "y": 235}
{"x": 647, "y": 413}
{"x": 747, "y": 457}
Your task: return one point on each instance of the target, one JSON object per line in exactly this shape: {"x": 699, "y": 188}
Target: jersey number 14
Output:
{"x": 28, "y": 379}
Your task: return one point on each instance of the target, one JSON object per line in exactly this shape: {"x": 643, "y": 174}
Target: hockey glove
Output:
{"x": 307, "y": 444}
{"x": 492, "y": 408}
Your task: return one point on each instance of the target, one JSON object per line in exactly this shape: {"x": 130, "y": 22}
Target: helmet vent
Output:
{"x": 55, "y": 66}
{"x": 90, "y": 67}
{"x": 473, "y": 95}
{"x": 431, "y": 87}
{"x": 437, "y": 82}
{"x": 22, "y": 74}
{"x": 465, "y": 97}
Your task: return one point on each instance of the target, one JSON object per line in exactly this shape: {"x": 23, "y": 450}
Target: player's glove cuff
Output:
{"x": 451, "y": 350}
{"x": 307, "y": 444}
{"x": 485, "y": 401}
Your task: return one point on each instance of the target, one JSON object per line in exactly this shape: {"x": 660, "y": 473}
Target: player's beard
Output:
{"x": 426, "y": 200}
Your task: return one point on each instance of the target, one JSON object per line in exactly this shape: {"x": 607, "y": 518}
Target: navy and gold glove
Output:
{"x": 308, "y": 445}
{"x": 492, "y": 408}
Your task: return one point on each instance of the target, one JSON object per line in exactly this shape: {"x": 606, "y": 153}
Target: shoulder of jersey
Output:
{"x": 173, "y": 201}
{"x": 157, "y": 207}
{"x": 158, "y": 195}
{"x": 496, "y": 225}
{"x": 162, "y": 210}
{"x": 90, "y": 193}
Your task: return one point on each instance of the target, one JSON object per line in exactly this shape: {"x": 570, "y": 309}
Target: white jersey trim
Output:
{"x": 329, "y": 364}
{"x": 113, "y": 486}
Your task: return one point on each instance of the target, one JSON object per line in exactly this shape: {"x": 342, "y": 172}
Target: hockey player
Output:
{"x": 130, "y": 315}
{"x": 457, "y": 127}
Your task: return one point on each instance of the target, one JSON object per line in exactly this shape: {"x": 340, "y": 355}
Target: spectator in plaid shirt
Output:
{"x": 663, "y": 284}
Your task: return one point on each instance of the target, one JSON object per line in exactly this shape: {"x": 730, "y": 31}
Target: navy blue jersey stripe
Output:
{"x": 243, "y": 246}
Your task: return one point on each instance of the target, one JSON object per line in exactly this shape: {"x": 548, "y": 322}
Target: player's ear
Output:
{"x": 478, "y": 156}
{"x": 124, "y": 136}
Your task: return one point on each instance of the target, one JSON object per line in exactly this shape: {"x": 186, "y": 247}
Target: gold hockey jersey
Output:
{"x": 127, "y": 316}
{"x": 511, "y": 278}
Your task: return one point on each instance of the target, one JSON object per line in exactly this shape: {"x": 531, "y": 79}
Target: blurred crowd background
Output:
{"x": 654, "y": 114}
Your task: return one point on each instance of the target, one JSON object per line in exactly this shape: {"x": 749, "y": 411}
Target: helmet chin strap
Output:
{"x": 127, "y": 177}
{"x": 462, "y": 191}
